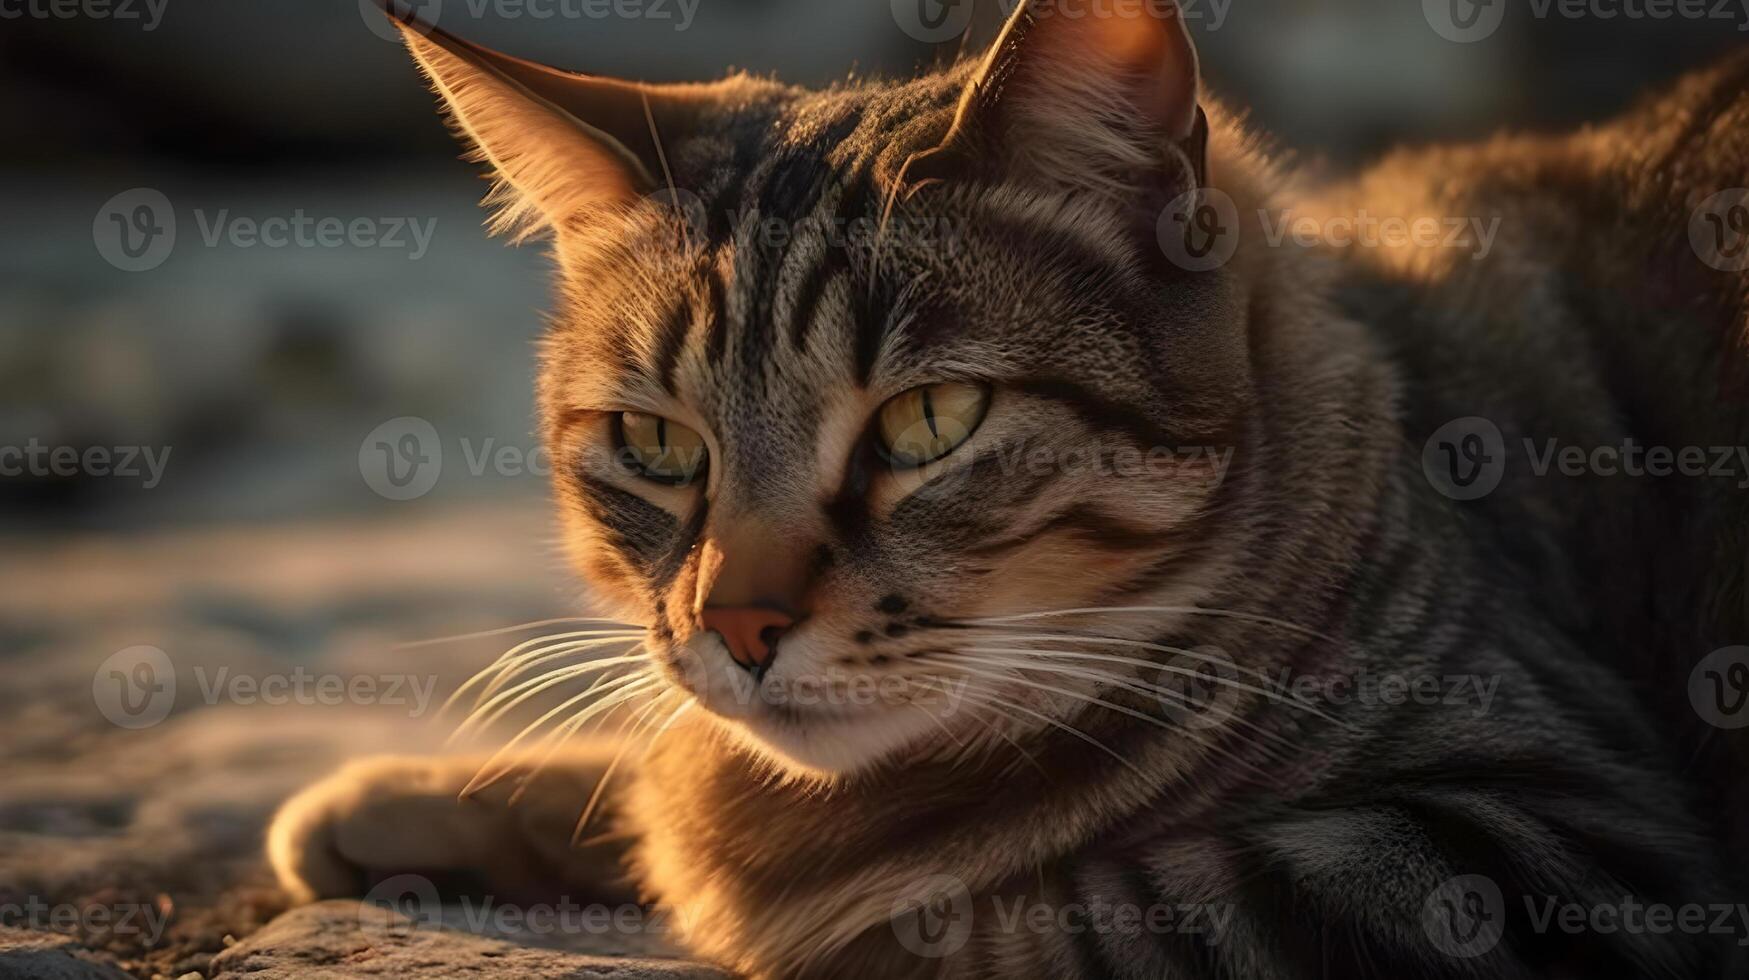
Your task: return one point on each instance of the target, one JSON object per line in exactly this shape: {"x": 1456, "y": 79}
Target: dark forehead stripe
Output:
{"x": 706, "y": 305}
{"x": 718, "y": 312}
{"x": 871, "y": 305}
{"x": 748, "y": 134}
{"x": 784, "y": 163}
{"x": 793, "y": 186}
{"x": 780, "y": 179}
{"x": 788, "y": 198}
{"x": 807, "y": 306}
{"x": 852, "y": 204}
{"x": 670, "y": 341}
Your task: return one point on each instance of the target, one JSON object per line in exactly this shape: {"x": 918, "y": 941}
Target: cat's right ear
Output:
{"x": 1096, "y": 97}
{"x": 562, "y": 144}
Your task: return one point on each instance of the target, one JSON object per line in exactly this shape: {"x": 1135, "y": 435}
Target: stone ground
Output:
{"x": 132, "y": 846}
{"x": 344, "y": 939}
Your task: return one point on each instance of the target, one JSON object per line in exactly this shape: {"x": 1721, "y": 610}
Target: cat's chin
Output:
{"x": 808, "y": 739}
{"x": 830, "y": 745}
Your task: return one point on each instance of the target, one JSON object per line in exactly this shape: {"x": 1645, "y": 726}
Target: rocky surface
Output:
{"x": 131, "y": 839}
{"x": 345, "y": 940}
{"x": 28, "y": 955}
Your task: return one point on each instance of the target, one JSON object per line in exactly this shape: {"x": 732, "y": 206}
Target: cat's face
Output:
{"x": 799, "y": 468}
{"x": 1001, "y": 401}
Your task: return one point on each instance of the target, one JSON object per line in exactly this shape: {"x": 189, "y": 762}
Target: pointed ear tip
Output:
{"x": 423, "y": 40}
{"x": 391, "y": 10}
{"x": 404, "y": 19}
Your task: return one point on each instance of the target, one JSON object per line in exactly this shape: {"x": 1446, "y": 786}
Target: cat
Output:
{"x": 1175, "y": 657}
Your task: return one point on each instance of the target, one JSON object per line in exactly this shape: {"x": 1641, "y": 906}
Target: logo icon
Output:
{"x": 689, "y": 210}
{"x": 399, "y": 906}
{"x": 933, "y": 21}
{"x": 938, "y": 479}
{"x": 401, "y": 459}
{"x": 1464, "y": 21}
{"x": 135, "y": 230}
{"x": 1199, "y": 688}
{"x": 135, "y": 687}
{"x": 1465, "y": 459}
{"x": 933, "y": 917}
{"x": 1719, "y": 230}
{"x": 423, "y": 12}
{"x": 1199, "y": 230}
{"x": 1465, "y": 916}
{"x": 1718, "y": 688}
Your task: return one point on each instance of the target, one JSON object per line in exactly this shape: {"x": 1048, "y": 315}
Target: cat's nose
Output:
{"x": 750, "y": 632}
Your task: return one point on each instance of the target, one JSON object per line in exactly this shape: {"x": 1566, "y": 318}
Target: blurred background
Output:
{"x": 210, "y": 432}
{"x": 264, "y": 367}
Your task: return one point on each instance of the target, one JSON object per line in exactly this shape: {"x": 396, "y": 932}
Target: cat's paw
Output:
{"x": 390, "y": 815}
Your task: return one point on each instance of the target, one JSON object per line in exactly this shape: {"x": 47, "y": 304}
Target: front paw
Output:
{"x": 390, "y": 815}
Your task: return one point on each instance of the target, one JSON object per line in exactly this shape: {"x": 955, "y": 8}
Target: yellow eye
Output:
{"x": 660, "y": 450}
{"x": 928, "y": 422}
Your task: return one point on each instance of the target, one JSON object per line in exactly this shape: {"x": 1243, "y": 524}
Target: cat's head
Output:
{"x": 856, "y": 391}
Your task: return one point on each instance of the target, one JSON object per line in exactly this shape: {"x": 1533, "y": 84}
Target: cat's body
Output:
{"x": 1310, "y": 833}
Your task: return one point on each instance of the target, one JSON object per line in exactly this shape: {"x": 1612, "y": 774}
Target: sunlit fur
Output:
{"x": 1070, "y": 303}
{"x": 1031, "y": 750}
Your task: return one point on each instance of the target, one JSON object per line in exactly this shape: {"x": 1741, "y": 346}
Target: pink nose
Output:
{"x": 751, "y": 633}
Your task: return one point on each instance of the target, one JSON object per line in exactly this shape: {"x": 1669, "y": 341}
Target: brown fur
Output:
{"x": 789, "y": 839}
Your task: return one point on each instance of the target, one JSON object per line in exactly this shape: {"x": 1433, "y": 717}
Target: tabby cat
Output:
{"x": 1041, "y": 571}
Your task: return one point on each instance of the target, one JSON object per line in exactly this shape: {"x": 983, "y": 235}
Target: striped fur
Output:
{"x": 1319, "y": 833}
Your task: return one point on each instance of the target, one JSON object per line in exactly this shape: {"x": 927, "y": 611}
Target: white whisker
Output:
{"x": 1120, "y": 709}
{"x": 984, "y": 697}
{"x": 487, "y": 714}
{"x": 1081, "y": 636}
{"x": 500, "y": 631}
{"x": 636, "y": 722}
{"x": 514, "y": 652}
{"x": 610, "y": 701}
{"x": 1126, "y": 683}
{"x": 1293, "y": 702}
{"x": 542, "y": 655}
{"x": 1053, "y": 689}
{"x": 621, "y": 691}
{"x": 1180, "y": 610}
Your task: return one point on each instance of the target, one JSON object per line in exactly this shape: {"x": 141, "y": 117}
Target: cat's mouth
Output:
{"x": 783, "y": 698}
{"x": 823, "y": 721}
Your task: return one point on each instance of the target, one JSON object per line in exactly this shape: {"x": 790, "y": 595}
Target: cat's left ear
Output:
{"x": 563, "y": 144}
{"x": 1100, "y": 97}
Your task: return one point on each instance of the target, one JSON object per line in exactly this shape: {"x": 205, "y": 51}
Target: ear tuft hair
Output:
{"x": 551, "y": 167}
